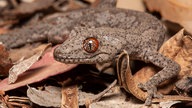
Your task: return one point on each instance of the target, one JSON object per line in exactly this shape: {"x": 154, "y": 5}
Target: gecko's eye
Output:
{"x": 90, "y": 44}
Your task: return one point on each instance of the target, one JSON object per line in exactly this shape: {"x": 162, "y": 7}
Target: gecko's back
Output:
{"x": 143, "y": 30}
{"x": 134, "y": 22}
{"x": 138, "y": 25}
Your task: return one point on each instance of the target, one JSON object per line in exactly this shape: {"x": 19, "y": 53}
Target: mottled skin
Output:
{"x": 138, "y": 33}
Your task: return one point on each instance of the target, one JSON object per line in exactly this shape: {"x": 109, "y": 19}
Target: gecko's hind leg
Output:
{"x": 169, "y": 69}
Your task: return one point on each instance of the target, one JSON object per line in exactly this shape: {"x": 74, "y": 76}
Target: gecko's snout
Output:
{"x": 66, "y": 54}
{"x": 58, "y": 54}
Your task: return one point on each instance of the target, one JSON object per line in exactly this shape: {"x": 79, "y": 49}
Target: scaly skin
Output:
{"x": 138, "y": 33}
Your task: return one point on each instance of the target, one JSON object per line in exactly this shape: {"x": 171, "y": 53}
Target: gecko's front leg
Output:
{"x": 169, "y": 69}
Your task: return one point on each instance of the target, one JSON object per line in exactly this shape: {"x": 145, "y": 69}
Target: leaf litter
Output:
{"x": 37, "y": 70}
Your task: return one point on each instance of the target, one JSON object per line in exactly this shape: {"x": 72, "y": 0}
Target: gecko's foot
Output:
{"x": 152, "y": 92}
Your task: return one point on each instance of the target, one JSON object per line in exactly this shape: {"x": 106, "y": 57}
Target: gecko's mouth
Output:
{"x": 88, "y": 60}
{"x": 72, "y": 60}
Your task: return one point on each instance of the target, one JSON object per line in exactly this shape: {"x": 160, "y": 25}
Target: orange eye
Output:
{"x": 90, "y": 45}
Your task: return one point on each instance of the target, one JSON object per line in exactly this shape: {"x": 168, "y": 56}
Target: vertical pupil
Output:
{"x": 90, "y": 44}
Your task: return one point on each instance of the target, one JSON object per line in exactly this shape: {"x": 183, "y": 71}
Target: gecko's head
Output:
{"x": 89, "y": 46}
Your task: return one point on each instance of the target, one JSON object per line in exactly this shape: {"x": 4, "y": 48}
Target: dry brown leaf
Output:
{"x": 69, "y": 95}
{"x": 74, "y": 5}
{"x": 179, "y": 48}
{"x": 50, "y": 97}
{"x": 26, "y": 51}
{"x": 91, "y": 1}
{"x": 29, "y": 8}
{"x": 40, "y": 70}
{"x": 24, "y": 65}
{"x": 16, "y": 101}
{"x": 2, "y": 30}
{"x": 2, "y": 93}
{"x": 178, "y": 11}
{"x": 184, "y": 86}
{"x": 168, "y": 104}
{"x": 5, "y": 62}
{"x": 115, "y": 98}
{"x": 106, "y": 68}
{"x": 131, "y": 4}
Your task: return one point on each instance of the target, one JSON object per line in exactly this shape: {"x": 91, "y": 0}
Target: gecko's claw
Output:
{"x": 152, "y": 92}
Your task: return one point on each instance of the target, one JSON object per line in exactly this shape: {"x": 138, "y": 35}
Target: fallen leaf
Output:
{"x": 40, "y": 70}
{"x": 24, "y": 65}
{"x": 168, "y": 104}
{"x": 178, "y": 11}
{"x": 17, "y": 101}
{"x": 2, "y": 30}
{"x": 5, "y": 62}
{"x": 72, "y": 5}
{"x": 24, "y": 52}
{"x": 29, "y": 8}
{"x": 69, "y": 95}
{"x": 184, "y": 86}
{"x": 131, "y": 4}
{"x": 49, "y": 97}
{"x": 107, "y": 68}
{"x": 2, "y": 93}
{"x": 91, "y": 1}
{"x": 115, "y": 98}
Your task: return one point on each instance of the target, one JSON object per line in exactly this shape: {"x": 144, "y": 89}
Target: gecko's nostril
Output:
{"x": 57, "y": 52}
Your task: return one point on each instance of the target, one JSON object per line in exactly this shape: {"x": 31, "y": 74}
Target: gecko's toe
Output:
{"x": 148, "y": 101}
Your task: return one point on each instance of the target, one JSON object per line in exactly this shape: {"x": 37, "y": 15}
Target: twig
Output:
{"x": 100, "y": 95}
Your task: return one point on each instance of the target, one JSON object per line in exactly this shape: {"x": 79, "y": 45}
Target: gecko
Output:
{"x": 100, "y": 35}
{"x": 107, "y": 33}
